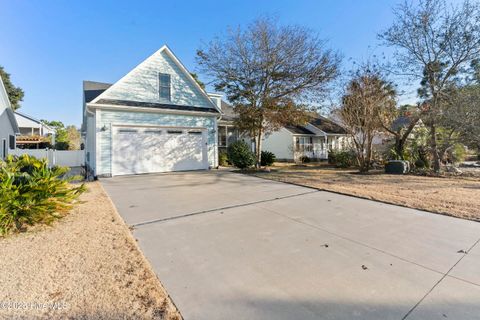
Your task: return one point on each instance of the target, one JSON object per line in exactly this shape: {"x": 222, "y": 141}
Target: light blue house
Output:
{"x": 154, "y": 119}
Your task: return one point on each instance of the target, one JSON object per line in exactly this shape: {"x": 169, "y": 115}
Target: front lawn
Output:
{"x": 454, "y": 196}
{"x": 84, "y": 266}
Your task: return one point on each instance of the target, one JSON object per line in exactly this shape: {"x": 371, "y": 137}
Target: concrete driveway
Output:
{"x": 229, "y": 246}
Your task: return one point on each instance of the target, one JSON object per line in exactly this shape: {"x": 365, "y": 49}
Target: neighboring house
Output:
{"x": 154, "y": 119}
{"x": 8, "y": 124}
{"x": 33, "y": 132}
{"x": 313, "y": 140}
{"x": 290, "y": 143}
{"x": 227, "y": 133}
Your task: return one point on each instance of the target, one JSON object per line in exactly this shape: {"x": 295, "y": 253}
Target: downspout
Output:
{"x": 216, "y": 142}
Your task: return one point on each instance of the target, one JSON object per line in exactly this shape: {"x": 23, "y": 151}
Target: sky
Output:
{"x": 50, "y": 47}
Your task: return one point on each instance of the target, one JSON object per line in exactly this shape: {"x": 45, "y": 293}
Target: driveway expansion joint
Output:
{"x": 135, "y": 225}
{"x": 439, "y": 281}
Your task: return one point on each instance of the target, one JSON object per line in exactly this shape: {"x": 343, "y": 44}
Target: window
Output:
{"x": 127, "y": 131}
{"x": 164, "y": 86}
{"x": 11, "y": 142}
{"x": 4, "y": 148}
{"x": 222, "y": 136}
{"x": 174, "y": 132}
{"x": 153, "y": 131}
{"x": 195, "y": 132}
{"x": 304, "y": 144}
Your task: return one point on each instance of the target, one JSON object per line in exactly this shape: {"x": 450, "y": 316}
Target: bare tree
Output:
{"x": 435, "y": 44}
{"x": 368, "y": 98}
{"x": 269, "y": 72}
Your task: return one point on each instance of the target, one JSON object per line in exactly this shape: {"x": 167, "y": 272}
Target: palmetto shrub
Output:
{"x": 267, "y": 158}
{"x": 31, "y": 193}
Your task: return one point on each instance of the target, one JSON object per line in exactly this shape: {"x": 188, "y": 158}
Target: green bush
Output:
{"x": 268, "y": 158}
{"x": 457, "y": 154}
{"x": 31, "y": 193}
{"x": 342, "y": 159}
{"x": 223, "y": 158}
{"x": 62, "y": 145}
{"x": 240, "y": 155}
{"x": 305, "y": 159}
{"x": 419, "y": 163}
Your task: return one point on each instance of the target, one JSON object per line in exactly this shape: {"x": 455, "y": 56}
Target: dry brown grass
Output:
{"x": 89, "y": 261}
{"x": 454, "y": 196}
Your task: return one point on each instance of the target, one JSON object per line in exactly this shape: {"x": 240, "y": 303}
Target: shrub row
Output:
{"x": 241, "y": 156}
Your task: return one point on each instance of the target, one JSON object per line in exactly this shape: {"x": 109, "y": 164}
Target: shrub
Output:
{"x": 31, "y": 193}
{"x": 268, "y": 158}
{"x": 419, "y": 163}
{"x": 240, "y": 155}
{"x": 457, "y": 153}
{"x": 62, "y": 145}
{"x": 305, "y": 159}
{"x": 223, "y": 158}
{"x": 342, "y": 159}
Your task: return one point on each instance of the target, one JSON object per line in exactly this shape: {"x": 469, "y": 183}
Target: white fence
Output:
{"x": 64, "y": 158}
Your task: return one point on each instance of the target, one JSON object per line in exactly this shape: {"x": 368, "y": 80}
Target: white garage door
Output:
{"x": 145, "y": 149}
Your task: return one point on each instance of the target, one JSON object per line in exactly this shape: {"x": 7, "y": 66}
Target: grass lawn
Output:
{"x": 88, "y": 263}
{"x": 454, "y": 196}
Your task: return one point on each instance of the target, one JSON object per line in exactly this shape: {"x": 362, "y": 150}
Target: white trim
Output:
{"x": 152, "y": 110}
{"x": 114, "y": 126}
{"x": 177, "y": 62}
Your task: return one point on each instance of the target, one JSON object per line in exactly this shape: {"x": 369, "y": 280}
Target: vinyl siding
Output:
{"x": 280, "y": 143}
{"x": 107, "y": 118}
{"x": 142, "y": 84}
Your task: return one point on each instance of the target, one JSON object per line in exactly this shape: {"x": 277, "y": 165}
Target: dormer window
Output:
{"x": 164, "y": 89}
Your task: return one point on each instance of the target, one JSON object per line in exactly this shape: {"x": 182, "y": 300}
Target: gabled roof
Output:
{"x": 92, "y": 89}
{"x": 327, "y": 125}
{"x": 21, "y": 114}
{"x": 299, "y": 130}
{"x": 228, "y": 114}
{"x": 8, "y": 106}
{"x": 103, "y": 91}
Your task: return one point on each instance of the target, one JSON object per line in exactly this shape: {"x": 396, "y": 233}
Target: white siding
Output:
{"x": 280, "y": 143}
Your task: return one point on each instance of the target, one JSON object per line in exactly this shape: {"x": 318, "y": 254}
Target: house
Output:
{"x": 34, "y": 134}
{"x": 313, "y": 140}
{"x": 8, "y": 124}
{"x": 290, "y": 143}
{"x": 155, "y": 119}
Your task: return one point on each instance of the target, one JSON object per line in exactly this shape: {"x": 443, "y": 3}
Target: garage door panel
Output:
{"x": 144, "y": 150}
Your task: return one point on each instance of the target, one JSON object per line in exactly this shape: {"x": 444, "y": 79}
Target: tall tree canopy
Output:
{"x": 436, "y": 43}
{"x": 15, "y": 94}
{"x": 368, "y": 100}
{"x": 269, "y": 72}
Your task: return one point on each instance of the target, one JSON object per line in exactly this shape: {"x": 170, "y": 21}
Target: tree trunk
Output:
{"x": 258, "y": 148}
{"x": 399, "y": 147}
{"x": 434, "y": 148}
{"x": 368, "y": 156}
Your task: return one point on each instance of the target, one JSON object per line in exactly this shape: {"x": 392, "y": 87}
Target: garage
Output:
{"x": 137, "y": 150}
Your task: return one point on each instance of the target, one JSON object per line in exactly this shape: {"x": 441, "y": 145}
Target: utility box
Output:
{"x": 397, "y": 167}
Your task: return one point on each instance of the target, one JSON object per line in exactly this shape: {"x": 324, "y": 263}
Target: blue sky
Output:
{"x": 49, "y": 47}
